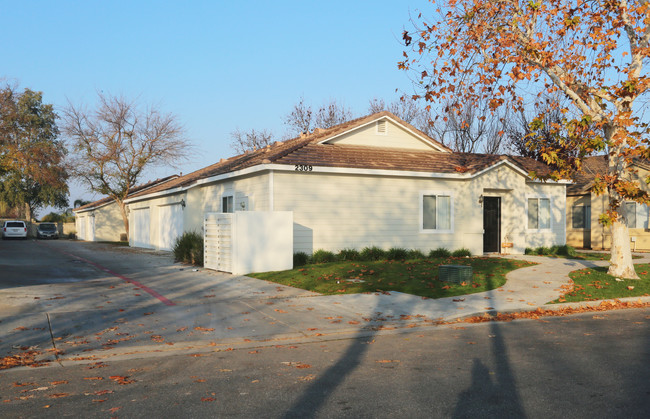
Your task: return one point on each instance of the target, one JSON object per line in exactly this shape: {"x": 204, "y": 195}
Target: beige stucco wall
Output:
{"x": 395, "y": 136}
{"x": 106, "y": 222}
{"x": 601, "y": 236}
{"x": 333, "y": 211}
{"x": 250, "y": 193}
{"x": 336, "y": 211}
{"x": 578, "y": 237}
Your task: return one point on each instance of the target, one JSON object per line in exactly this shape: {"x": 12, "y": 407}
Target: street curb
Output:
{"x": 552, "y": 307}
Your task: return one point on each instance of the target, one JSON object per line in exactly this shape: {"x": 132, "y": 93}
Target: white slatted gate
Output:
{"x": 217, "y": 252}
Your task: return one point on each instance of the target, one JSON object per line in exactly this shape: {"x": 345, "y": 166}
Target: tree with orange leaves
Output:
{"x": 594, "y": 53}
{"x": 33, "y": 173}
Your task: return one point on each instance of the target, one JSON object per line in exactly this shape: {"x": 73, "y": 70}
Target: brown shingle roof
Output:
{"x": 307, "y": 150}
{"x": 584, "y": 179}
{"x": 134, "y": 190}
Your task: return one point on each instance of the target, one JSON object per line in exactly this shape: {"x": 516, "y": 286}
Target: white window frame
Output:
{"x": 226, "y": 196}
{"x": 450, "y": 194}
{"x": 550, "y": 214}
{"x": 641, "y": 215}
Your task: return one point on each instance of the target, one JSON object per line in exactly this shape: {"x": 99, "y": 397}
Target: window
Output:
{"x": 630, "y": 214}
{"x": 227, "y": 204}
{"x": 436, "y": 212}
{"x": 539, "y": 213}
{"x": 636, "y": 215}
{"x": 581, "y": 216}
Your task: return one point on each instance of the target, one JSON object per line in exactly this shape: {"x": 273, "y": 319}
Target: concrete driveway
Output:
{"x": 77, "y": 301}
{"x": 92, "y": 300}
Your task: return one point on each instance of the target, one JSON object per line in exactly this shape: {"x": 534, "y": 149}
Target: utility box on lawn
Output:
{"x": 455, "y": 273}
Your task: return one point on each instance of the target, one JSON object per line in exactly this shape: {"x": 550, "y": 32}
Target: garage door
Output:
{"x": 90, "y": 228}
{"x": 141, "y": 227}
{"x": 81, "y": 227}
{"x": 170, "y": 225}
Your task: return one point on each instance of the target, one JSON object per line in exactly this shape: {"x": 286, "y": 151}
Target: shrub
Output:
{"x": 542, "y": 250}
{"x": 396, "y": 253}
{"x": 415, "y": 254}
{"x": 563, "y": 250}
{"x": 349, "y": 254}
{"x": 188, "y": 248}
{"x": 440, "y": 252}
{"x": 52, "y": 217}
{"x": 300, "y": 259}
{"x": 459, "y": 253}
{"x": 529, "y": 251}
{"x": 323, "y": 256}
{"x": 373, "y": 253}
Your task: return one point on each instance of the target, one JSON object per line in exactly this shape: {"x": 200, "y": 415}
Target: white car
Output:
{"x": 14, "y": 229}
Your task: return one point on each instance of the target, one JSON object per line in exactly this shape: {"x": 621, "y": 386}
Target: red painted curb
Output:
{"x": 144, "y": 288}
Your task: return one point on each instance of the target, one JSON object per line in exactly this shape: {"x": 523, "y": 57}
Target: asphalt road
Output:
{"x": 233, "y": 347}
{"x": 586, "y": 366}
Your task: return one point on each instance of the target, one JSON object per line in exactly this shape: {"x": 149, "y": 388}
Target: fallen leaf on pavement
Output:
{"x": 204, "y": 329}
{"x": 56, "y": 383}
{"x": 121, "y": 380}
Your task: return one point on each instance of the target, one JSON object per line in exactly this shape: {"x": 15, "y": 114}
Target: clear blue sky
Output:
{"x": 217, "y": 65}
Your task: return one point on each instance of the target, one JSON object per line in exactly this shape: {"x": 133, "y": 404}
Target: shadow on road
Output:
{"x": 317, "y": 394}
{"x": 492, "y": 394}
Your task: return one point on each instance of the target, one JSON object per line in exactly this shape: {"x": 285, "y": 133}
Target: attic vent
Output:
{"x": 382, "y": 128}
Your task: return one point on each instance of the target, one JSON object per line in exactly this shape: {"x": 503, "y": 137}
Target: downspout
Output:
{"x": 271, "y": 204}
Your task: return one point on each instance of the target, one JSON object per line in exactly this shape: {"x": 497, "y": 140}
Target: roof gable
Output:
{"x": 387, "y": 131}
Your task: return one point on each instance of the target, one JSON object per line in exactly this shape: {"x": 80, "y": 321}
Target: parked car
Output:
{"x": 14, "y": 229}
{"x": 47, "y": 231}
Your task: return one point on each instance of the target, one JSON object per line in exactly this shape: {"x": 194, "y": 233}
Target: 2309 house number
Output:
{"x": 303, "y": 168}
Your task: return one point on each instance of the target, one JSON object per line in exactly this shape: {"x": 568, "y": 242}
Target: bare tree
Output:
{"x": 332, "y": 114}
{"x": 113, "y": 145}
{"x": 407, "y": 109}
{"x": 299, "y": 119}
{"x": 302, "y": 118}
{"x": 251, "y": 140}
{"x": 475, "y": 129}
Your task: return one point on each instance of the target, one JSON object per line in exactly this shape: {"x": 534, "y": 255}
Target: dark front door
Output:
{"x": 491, "y": 224}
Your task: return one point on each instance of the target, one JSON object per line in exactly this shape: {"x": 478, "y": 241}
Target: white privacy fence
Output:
{"x": 248, "y": 241}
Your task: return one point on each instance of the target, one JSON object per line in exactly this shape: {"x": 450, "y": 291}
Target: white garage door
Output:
{"x": 170, "y": 225}
{"x": 81, "y": 227}
{"x": 141, "y": 226}
{"x": 90, "y": 229}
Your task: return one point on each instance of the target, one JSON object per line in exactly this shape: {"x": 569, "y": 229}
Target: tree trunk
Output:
{"x": 125, "y": 217}
{"x": 621, "y": 265}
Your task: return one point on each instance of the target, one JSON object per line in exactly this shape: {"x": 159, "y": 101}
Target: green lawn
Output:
{"x": 417, "y": 277}
{"x": 594, "y": 284}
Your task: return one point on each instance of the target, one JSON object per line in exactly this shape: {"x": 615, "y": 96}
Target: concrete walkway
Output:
{"x": 526, "y": 289}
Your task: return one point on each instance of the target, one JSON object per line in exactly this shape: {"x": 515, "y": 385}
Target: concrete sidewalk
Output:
{"x": 526, "y": 289}
{"x": 108, "y": 318}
